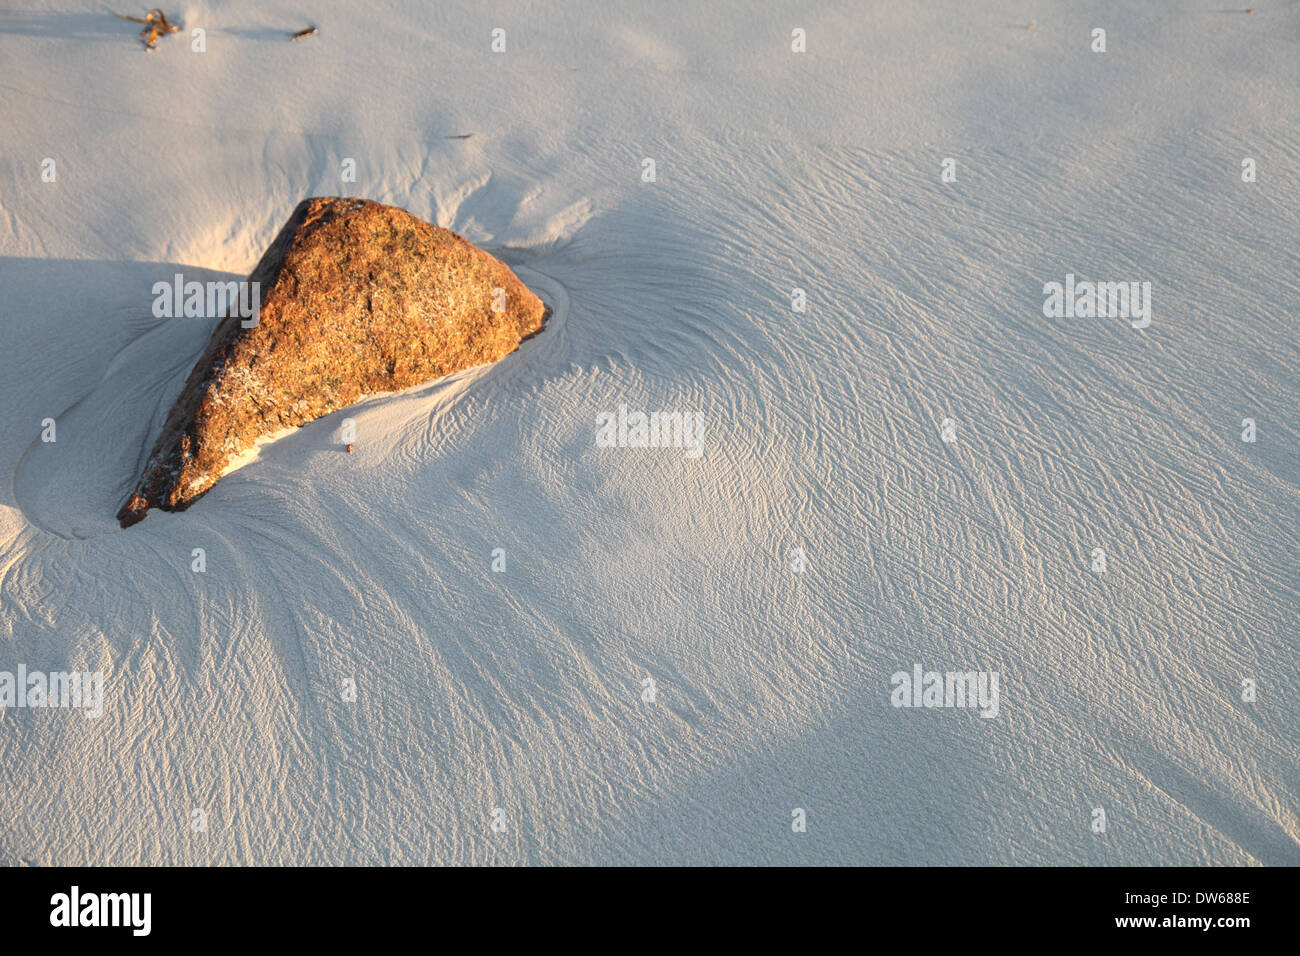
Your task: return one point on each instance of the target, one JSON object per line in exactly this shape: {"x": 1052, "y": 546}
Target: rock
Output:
{"x": 357, "y": 298}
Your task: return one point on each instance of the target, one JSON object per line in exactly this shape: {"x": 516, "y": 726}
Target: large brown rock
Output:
{"x": 357, "y": 298}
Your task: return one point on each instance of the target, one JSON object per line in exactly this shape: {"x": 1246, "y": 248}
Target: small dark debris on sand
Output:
{"x": 156, "y": 25}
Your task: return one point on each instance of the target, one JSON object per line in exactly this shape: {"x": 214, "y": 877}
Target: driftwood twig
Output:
{"x": 156, "y": 25}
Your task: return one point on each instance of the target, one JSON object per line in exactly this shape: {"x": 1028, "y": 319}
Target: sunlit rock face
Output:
{"x": 356, "y": 298}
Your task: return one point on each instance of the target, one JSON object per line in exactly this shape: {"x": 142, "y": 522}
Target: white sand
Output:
{"x": 522, "y": 690}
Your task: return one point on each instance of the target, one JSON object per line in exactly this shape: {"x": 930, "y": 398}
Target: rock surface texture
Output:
{"x": 357, "y": 298}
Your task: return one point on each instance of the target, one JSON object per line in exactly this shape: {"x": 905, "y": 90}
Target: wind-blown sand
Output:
{"x": 522, "y": 690}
